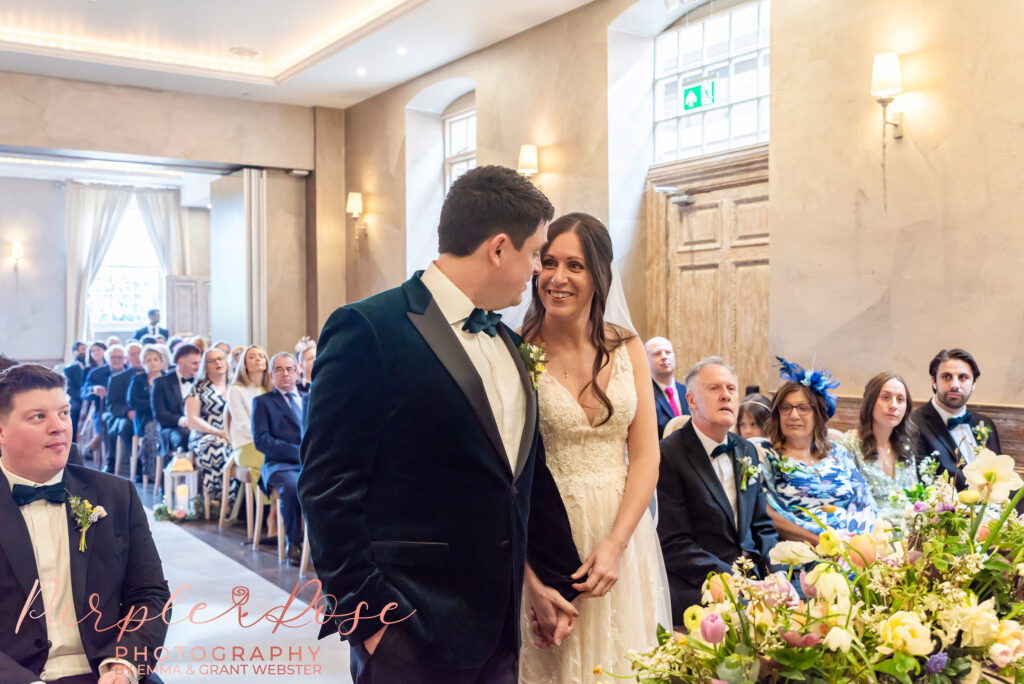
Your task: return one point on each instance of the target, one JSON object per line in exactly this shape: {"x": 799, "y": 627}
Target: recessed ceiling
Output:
{"x": 308, "y": 52}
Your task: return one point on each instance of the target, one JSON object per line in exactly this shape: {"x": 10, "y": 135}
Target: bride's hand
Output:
{"x": 603, "y": 567}
{"x": 551, "y": 616}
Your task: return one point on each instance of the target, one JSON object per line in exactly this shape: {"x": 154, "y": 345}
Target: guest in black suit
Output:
{"x": 410, "y": 494}
{"x": 669, "y": 395}
{"x": 119, "y": 567}
{"x": 712, "y": 509}
{"x": 167, "y": 398}
{"x": 116, "y": 421}
{"x": 305, "y": 353}
{"x": 155, "y": 358}
{"x": 946, "y": 429}
{"x": 74, "y": 372}
{"x": 91, "y": 394}
{"x": 153, "y": 328}
{"x": 277, "y": 418}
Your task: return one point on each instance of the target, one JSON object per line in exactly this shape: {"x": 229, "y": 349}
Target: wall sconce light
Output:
{"x": 528, "y": 160}
{"x": 17, "y": 252}
{"x": 354, "y": 205}
{"x": 886, "y": 84}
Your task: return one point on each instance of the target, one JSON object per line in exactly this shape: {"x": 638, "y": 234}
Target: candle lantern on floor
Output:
{"x": 180, "y": 483}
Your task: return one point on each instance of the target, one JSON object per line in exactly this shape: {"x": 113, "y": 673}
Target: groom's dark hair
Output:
{"x": 486, "y": 201}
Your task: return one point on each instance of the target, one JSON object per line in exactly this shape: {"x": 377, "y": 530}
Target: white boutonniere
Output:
{"x": 536, "y": 361}
{"x": 85, "y": 515}
{"x": 748, "y": 473}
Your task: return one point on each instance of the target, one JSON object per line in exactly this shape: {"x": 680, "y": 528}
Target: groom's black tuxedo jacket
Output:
{"x": 408, "y": 493}
{"x": 695, "y": 522}
{"x": 120, "y": 567}
{"x": 933, "y": 436}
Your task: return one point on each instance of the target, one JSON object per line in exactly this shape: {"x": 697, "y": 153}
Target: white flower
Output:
{"x": 992, "y": 476}
{"x": 792, "y": 553}
{"x": 838, "y": 639}
{"x": 829, "y": 584}
{"x": 905, "y": 632}
{"x": 979, "y": 623}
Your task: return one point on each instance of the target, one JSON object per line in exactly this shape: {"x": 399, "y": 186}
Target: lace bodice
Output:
{"x": 581, "y": 453}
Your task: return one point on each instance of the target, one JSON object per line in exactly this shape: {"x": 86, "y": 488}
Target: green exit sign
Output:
{"x": 700, "y": 95}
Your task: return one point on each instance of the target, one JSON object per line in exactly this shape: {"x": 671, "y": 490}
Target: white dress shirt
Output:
{"x": 675, "y": 398}
{"x": 489, "y": 356}
{"x": 962, "y": 434}
{"x": 722, "y": 465}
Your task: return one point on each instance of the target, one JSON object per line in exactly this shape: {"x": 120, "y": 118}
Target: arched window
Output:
{"x": 459, "y": 139}
{"x": 130, "y": 280}
{"x": 711, "y": 82}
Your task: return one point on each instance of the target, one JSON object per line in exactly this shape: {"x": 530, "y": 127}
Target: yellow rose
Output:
{"x": 969, "y": 497}
{"x": 692, "y": 617}
{"x": 904, "y": 632}
{"x": 829, "y": 543}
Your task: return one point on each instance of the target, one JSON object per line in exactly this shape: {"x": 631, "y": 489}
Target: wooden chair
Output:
{"x": 258, "y": 520}
{"x": 305, "y": 565}
{"x": 133, "y": 466}
{"x": 247, "y": 491}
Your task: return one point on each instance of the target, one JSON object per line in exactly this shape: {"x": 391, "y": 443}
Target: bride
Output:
{"x": 595, "y": 405}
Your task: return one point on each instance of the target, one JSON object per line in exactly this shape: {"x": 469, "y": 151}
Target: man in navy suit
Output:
{"x": 153, "y": 328}
{"x": 711, "y": 508}
{"x": 74, "y": 372}
{"x": 117, "y": 415}
{"x": 74, "y": 597}
{"x": 94, "y": 389}
{"x": 167, "y": 397}
{"x": 669, "y": 395}
{"x": 422, "y": 468}
{"x": 277, "y": 418}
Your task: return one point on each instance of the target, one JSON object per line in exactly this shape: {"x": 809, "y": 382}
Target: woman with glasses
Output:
{"x": 206, "y": 410}
{"x": 804, "y": 472}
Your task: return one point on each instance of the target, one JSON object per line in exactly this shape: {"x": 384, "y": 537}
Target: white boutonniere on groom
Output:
{"x": 85, "y": 515}
{"x": 748, "y": 473}
{"x": 536, "y": 361}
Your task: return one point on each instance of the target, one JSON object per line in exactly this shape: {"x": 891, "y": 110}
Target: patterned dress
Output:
{"x": 211, "y": 451}
{"x": 790, "y": 485}
{"x": 886, "y": 490}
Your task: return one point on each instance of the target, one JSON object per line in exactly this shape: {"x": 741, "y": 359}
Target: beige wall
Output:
{"x": 286, "y": 261}
{"x": 546, "y": 86}
{"x": 868, "y": 289}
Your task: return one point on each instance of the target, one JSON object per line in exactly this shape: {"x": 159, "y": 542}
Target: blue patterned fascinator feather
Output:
{"x": 819, "y": 382}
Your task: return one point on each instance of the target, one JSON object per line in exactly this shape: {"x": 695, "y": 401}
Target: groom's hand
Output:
{"x": 551, "y": 617}
{"x": 371, "y": 643}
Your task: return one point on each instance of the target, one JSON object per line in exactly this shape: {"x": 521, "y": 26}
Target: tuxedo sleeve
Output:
{"x": 162, "y": 411}
{"x": 550, "y": 549}
{"x": 347, "y": 414}
{"x": 144, "y": 595}
{"x": 117, "y": 396}
{"x": 266, "y": 443}
{"x": 12, "y": 672}
{"x": 683, "y": 555}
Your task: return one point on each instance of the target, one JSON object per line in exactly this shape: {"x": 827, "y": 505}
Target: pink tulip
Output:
{"x": 779, "y": 592}
{"x": 983, "y": 531}
{"x": 797, "y": 640}
{"x": 712, "y": 628}
{"x": 808, "y": 590}
{"x": 862, "y": 551}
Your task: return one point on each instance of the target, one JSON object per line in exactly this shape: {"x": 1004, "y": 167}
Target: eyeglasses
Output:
{"x": 285, "y": 369}
{"x": 802, "y": 410}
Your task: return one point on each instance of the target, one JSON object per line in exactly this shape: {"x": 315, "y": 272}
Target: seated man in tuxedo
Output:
{"x": 117, "y": 414}
{"x": 712, "y": 509}
{"x": 41, "y": 566}
{"x": 74, "y": 372}
{"x": 167, "y": 398}
{"x": 153, "y": 328}
{"x": 946, "y": 429}
{"x": 277, "y": 418}
{"x": 668, "y": 394}
{"x": 94, "y": 387}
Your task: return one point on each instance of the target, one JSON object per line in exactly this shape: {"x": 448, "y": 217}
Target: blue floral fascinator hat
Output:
{"x": 819, "y": 382}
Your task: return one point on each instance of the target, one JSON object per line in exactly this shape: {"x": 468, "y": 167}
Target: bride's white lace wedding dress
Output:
{"x": 589, "y": 466}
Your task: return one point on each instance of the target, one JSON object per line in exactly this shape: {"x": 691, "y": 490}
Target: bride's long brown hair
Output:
{"x": 597, "y": 253}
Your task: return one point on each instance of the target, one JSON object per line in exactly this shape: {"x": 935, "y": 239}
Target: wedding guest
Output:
{"x": 710, "y": 502}
{"x": 947, "y": 431}
{"x": 156, "y": 359}
{"x": 752, "y": 415}
{"x": 149, "y": 339}
{"x": 252, "y": 378}
{"x": 234, "y": 358}
{"x": 199, "y": 342}
{"x": 94, "y": 387}
{"x": 882, "y": 444}
{"x": 174, "y": 342}
{"x": 133, "y": 355}
{"x": 167, "y": 398}
{"x": 58, "y": 641}
{"x": 305, "y": 352}
{"x": 114, "y": 340}
{"x": 117, "y": 413}
{"x": 803, "y": 469}
{"x": 669, "y": 395}
{"x": 205, "y": 408}
{"x": 224, "y": 347}
{"x": 160, "y": 339}
{"x": 74, "y": 374}
{"x": 277, "y": 419}
{"x": 153, "y": 328}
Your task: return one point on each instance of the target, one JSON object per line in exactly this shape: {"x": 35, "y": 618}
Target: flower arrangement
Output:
{"x": 163, "y": 512}
{"x": 935, "y": 602}
{"x": 536, "y": 361}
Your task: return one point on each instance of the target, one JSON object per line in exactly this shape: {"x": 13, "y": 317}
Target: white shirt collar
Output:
{"x": 13, "y": 479}
{"x": 293, "y": 393}
{"x": 708, "y": 443}
{"x": 454, "y": 304}
{"x": 944, "y": 414}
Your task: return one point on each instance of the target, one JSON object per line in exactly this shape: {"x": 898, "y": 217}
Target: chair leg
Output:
{"x": 304, "y": 564}
{"x": 249, "y": 486}
{"x": 206, "y": 505}
{"x": 258, "y": 520}
{"x": 280, "y": 527}
{"x": 226, "y": 476}
{"x": 118, "y": 455}
{"x": 133, "y": 466}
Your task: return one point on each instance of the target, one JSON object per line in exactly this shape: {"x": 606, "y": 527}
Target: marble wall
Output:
{"x": 865, "y": 288}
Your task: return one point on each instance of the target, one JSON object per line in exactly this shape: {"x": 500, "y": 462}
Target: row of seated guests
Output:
{"x": 722, "y": 496}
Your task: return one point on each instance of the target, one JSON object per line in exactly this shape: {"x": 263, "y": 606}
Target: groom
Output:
{"x": 423, "y": 479}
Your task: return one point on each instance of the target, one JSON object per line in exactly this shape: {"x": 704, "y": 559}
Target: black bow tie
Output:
{"x": 187, "y": 381}
{"x": 959, "y": 420}
{"x": 728, "y": 448}
{"x": 55, "y": 493}
{"x": 482, "y": 321}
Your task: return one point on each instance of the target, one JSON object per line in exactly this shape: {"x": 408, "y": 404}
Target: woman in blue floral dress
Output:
{"x": 804, "y": 470}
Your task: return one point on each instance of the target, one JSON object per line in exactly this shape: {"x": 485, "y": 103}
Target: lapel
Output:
{"x": 530, "y": 421}
{"x": 741, "y": 494}
{"x": 660, "y": 401}
{"x": 941, "y": 432}
{"x": 426, "y": 316}
{"x": 15, "y": 541}
{"x": 283, "y": 406}
{"x": 79, "y": 559}
{"x": 702, "y": 464}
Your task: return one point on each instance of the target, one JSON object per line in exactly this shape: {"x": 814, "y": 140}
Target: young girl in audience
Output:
{"x": 754, "y": 411}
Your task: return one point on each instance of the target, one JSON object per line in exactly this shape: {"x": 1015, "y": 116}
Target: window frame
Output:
{"x": 466, "y": 156}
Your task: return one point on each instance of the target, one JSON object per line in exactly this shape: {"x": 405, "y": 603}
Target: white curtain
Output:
{"x": 94, "y": 214}
{"x": 161, "y": 214}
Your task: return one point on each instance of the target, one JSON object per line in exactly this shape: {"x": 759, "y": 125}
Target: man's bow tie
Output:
{"x": 482, "y": 321}
{"x": 55, "y": 493}
{"x": 959, "y": 420}
{"x": 187, "y": 381}
{"x": 728, "y": 448}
